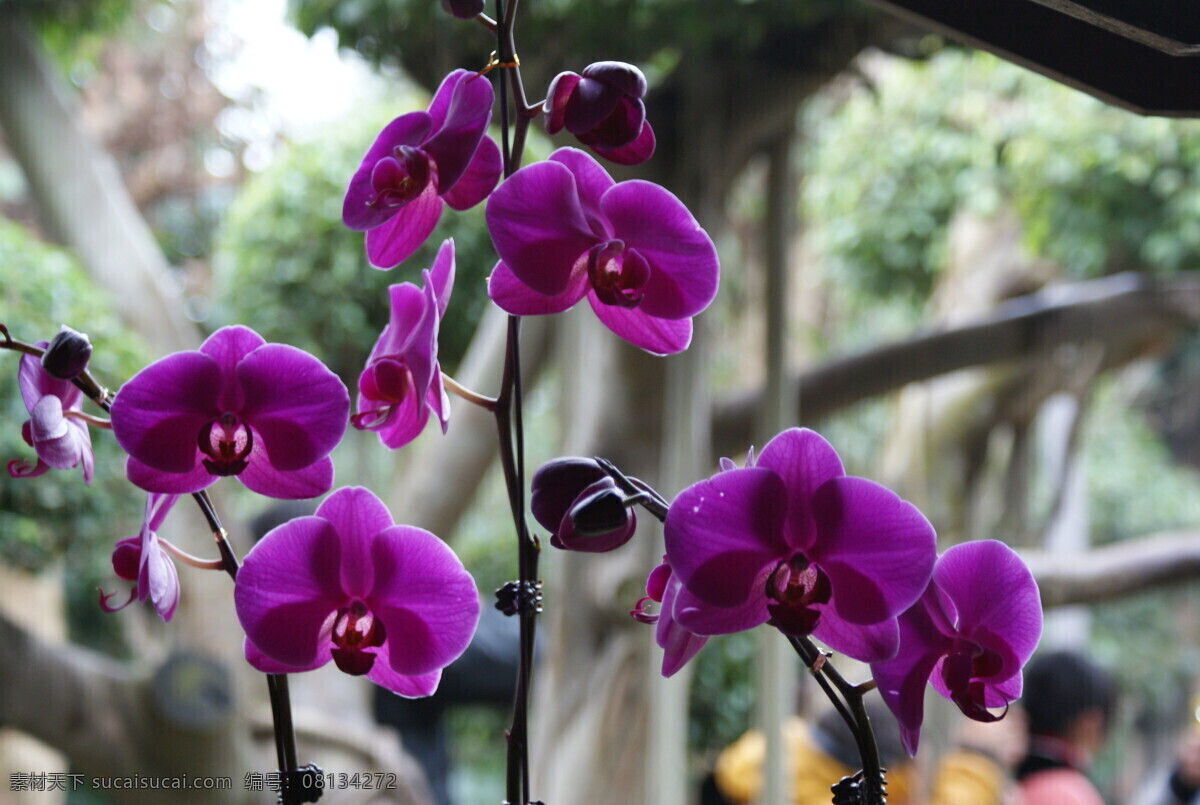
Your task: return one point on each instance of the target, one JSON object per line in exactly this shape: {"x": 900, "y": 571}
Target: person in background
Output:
{"x": 818, "y": 754}
{"x": 1069, "y": 701}
{"x": 1180, "y": 785}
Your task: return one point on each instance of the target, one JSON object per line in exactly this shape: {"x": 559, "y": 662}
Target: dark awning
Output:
{"x": 1143, "y": 55}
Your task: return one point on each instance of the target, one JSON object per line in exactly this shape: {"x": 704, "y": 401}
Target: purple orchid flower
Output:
{"x": 268, "y": 414}
{"x": 419, "y": 161}
{"x": 603, "y": 108}
{"x": 402, "y": 382}
{"x": 791, "y": 540}
{"x": 970, "y": 634}
{"x": 60, "y": 439}
{"x": 564, "y": 230}
{"x": 391, "y": 602}
{"x": 678, "y": 643}
{"x": 142, "y": 560}
{"x": 567, "y": 489}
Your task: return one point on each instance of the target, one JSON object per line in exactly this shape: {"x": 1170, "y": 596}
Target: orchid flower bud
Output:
{"x": 67, "y": 355}
{"x": 576, "y": 500}
{"x": 603, "y": 108}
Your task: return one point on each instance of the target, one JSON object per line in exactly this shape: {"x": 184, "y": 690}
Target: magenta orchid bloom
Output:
{"x": 60, "y": 440}
{"x": 402, "y": 382}
{"x": 268, "y": 414}
{"x": 969, "y": 635}
{"x": 678, "y": 643}
{"x": 565, "y": 230}
{"x": 603, "y": 108}
{"x": 142, "y": 560}
{"x": 419, "y": 161}
{"x": 562, "y": 487}
{"x": 791, "y": 540}
{"x": 391, "y": 602}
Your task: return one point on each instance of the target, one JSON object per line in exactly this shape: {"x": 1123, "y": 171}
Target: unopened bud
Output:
{"x": 600, "y": 513}
{"x": 67, "y": 355}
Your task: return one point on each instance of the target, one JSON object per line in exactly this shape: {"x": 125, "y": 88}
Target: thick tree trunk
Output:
{"x": 80, "y": 197}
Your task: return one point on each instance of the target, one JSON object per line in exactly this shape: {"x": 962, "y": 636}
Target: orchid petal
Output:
{"x": 422, "y": 592}
{"x": 515, "y": 297}
{"x": 259, "y": 476}
{"x": 722, "y": 535}
{"x": 538, "y": 226}
{"x": 656, "y": 336}
{"x": 459, "y": 124}
{"x": 479, "y": 179}
{"x": 410, "y": 686}
{"x": 877, "y": 549}
{"x": 393, "y": 241}
{"x": 804, "y": 461}
{"x": 157, "y": 415}
{"x": 148, "y": 478}
{"x": 684, "y": 266}
{"x": 698, "y": 616}
{"x": 288, "y": 587}
{"x": 297, "y": 406}
{"x": 357, "y": 516}
{"x": 357, "y": 211}
{"x": 634, "y": 153}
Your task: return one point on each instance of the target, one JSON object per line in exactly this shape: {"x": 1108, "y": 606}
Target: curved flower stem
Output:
{"x": 281, "y": 708}
{"x": 94, "y": 421}
{"x": 847, "y": 699}
{"x": 483, "y": 401}
{"x": 188, "y": 559}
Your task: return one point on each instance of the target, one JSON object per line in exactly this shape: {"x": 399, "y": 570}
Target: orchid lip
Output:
{"x": 228, "y": 449}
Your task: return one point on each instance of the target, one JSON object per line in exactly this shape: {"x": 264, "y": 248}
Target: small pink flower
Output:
{"x": 402, "y": 382}
{"x": 60, "y": 440}
{"x": 678, "y": 643}
{"x": 142, "y": 560}
{"x": 389, "y": 602}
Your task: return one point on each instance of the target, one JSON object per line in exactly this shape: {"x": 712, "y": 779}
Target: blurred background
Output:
{"x": 978, "y": 284}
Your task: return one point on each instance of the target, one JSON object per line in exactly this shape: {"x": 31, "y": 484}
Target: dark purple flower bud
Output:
{"x": 600, "y": 512}
{"x": 464, "y": 9}
{"x": 575, "y": 500}
{"x": 603, "y": 108}
{"x": 67, "y": 355}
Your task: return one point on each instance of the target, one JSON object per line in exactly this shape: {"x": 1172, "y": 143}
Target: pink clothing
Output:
{"x": 1061, "y": 786}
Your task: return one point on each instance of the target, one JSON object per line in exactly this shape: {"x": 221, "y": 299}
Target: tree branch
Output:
{"x": 1116, "y": 570}
{"x": 81, "y": 199}
{"x": 1129, "y": 315}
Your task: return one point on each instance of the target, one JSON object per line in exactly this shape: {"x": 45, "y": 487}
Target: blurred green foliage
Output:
{"x": 653, "y": 33}
{"x": 286, "y": 266}
{"x": 1098, "y": 189}
{"x": 43, "y": 518}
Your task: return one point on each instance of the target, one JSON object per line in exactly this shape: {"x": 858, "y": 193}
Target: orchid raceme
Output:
{"x": 565, "y": 487}
{"x": 268, "y": 414}
{"x": 603, "y": 108}
{"x": 791, "y": 540}
{"x": 565, "y": 230}
{"x": 60, "y": 440}
{"x": 389, "y": 602}
{"x": 420, "y": 161}
{"x": 142, "y": 560}
{"x": 969, "y": 635}
{"x": 678, "y": 643}
{"x": 402, "y": 382}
